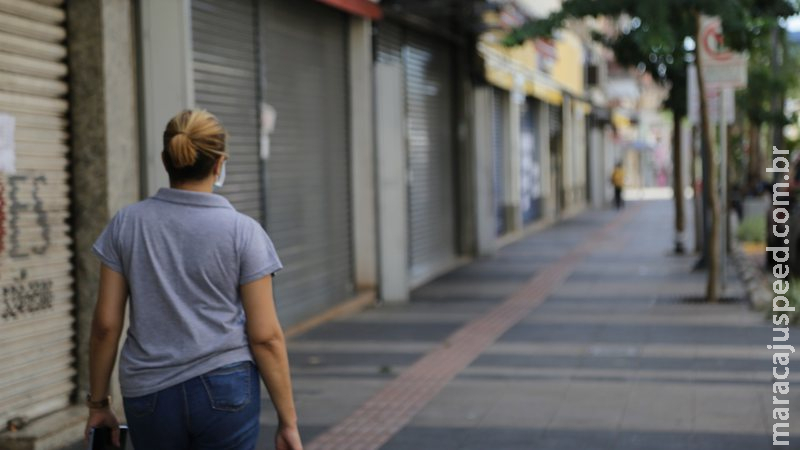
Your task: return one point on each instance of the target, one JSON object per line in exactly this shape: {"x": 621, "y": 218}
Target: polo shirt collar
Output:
{"x": 184, "y": 197}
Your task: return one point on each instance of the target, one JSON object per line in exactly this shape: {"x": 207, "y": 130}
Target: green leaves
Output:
{"x": 654, "y": 32}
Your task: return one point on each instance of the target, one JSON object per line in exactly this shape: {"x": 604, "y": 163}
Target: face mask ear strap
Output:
{"x": 221, "y": 178}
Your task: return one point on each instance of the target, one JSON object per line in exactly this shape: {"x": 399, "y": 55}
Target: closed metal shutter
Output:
{"x": 530, "y": 168}
{"x": 431, "y": 200}
{"x": 389, "y": 44}
{"x": 226, "y": 84}
{"x": 36, "y": 284}
{"x": 498, "y": 158}
{"x": 308, "y": 189}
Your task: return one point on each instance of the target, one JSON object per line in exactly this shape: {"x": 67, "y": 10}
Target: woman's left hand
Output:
{"x": 103, "y": 417}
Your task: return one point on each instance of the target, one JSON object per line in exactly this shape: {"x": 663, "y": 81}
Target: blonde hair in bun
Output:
{"x": 193, "y": 141}
{"x": 182, "y": 151}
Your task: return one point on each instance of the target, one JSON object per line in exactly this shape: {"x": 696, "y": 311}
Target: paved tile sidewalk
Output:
{"x": 613, "y": 358}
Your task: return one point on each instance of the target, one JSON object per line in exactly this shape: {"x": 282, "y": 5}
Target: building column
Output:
{"x": 105, "y": 142}
{"x": 567, "y": 148}
{"x": 512, "y": 170}
{"x": 596, "y": 162}
{"x": 165, "y": 28}
{"x": 392, "y": 184}
{"x": 543, "y": 136}
{"x": 362, "y": 146}
{"x": 485, "y": 217}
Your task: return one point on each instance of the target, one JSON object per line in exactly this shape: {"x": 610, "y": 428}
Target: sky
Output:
{"x": 793, "y": 23}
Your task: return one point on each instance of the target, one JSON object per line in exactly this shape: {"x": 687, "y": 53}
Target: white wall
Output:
{"x": 167, "y": 78}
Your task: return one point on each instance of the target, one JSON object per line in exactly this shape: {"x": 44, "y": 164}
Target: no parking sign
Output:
{"x": 721, "y": 67}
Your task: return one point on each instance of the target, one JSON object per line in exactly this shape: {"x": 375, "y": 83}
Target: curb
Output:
{"x": 753, "y": 278}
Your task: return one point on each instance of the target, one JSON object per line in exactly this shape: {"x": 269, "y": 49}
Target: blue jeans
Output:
{"x": 217, "y": 410}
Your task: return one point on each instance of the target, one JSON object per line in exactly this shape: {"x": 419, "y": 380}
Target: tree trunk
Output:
{"x": 776, "y": 102}
{"x": 754, "y": 156}
{"x": 697, "y": 197}
{"x": 677, "y": 182}
{"x": 712, "y": 282}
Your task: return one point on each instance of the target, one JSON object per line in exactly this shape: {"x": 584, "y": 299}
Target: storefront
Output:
{"x": 500, "y": 155}
{"x": 307, "y": 171}
{"x": 426, "y": 66}
{"x": 530, "y": 162}
{"x": 36, "y": 272}
{"x": 535, "y": 170}
{"x": 276, "y": 74}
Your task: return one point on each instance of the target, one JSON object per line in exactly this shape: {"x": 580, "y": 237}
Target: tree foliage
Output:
{"x": 653, "y": 35}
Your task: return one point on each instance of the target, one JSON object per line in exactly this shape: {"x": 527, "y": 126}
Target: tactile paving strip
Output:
{"x": 390, "y": 409}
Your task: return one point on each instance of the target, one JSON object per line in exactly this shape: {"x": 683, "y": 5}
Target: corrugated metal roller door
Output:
{"x": 226, "y": 83}
{"x": 389, "y": 44}
{"x": 498, "y": 158}
{"x": 36, "y": 284}
{"x": 308, "y": 191}
{"x": 431, "y": 200}
{"x": 530, "y": 166}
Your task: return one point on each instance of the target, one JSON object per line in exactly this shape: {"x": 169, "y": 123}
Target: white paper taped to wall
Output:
{"x": 268, "y": 118}
{"x": 7, "y": 153}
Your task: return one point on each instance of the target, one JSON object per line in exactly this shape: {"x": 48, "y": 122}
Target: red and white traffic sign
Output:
{"x": 721, "y": 67}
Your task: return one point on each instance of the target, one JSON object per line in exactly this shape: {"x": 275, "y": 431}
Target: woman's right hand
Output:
{"x": 288, "y": 438}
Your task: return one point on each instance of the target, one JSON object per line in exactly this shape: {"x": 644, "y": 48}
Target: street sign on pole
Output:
{"x": 721, "y": 67}
{"x": 723, "y": 71}
{"x": 713, "y": 96}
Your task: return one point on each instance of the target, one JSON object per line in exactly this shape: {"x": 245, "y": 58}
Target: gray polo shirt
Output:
{"x": 184, "y": 255}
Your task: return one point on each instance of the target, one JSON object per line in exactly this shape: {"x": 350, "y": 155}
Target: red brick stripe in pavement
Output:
{"x": 390, "y": 409}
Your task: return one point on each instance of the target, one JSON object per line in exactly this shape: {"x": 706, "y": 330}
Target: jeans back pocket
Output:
{"x": 140, "y": 406}
{"x": 228, "y": 387}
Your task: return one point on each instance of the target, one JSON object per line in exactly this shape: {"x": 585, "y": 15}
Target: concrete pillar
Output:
{"x": 362, "y": 148}
{"x": 165, "y": 28}
{"x": 512, "y": 192}
{"x": 105, "y": 142}
{"x": 392, "y": 184}
{"x": 543, "y": 136}
{"x": 567, "y": 148}
{"x": 466, "y": 225}
{"x": 485, "y": 217}
{"x": 596, "y": 167}
{"x": 611, "y": 155}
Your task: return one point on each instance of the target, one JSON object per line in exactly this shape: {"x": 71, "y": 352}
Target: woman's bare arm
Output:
{"x": 268, "y": 345}
{"x": 109, "y": 317}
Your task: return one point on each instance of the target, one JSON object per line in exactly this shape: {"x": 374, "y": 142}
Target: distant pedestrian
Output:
{"x": 618, "y": 180}
{"x": 203, "y": 325}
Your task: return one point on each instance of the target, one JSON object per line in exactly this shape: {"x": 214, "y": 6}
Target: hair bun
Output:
{"x": 182, "y": 151}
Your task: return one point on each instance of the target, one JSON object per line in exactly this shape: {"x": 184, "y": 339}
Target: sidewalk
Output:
{"x": 578, "y": 337}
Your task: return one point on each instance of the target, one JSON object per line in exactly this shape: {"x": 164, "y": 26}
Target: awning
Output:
{"x": 364, "y": 8}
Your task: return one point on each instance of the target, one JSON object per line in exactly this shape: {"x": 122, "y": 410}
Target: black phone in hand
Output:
{"x": 100, "y": 438}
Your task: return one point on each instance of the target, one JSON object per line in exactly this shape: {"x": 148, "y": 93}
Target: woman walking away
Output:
{"x": 203, "y": 325}
{"x": 618, "y": 180}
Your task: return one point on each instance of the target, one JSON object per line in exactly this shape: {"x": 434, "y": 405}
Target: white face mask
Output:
{"x": 221, "y": 178}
